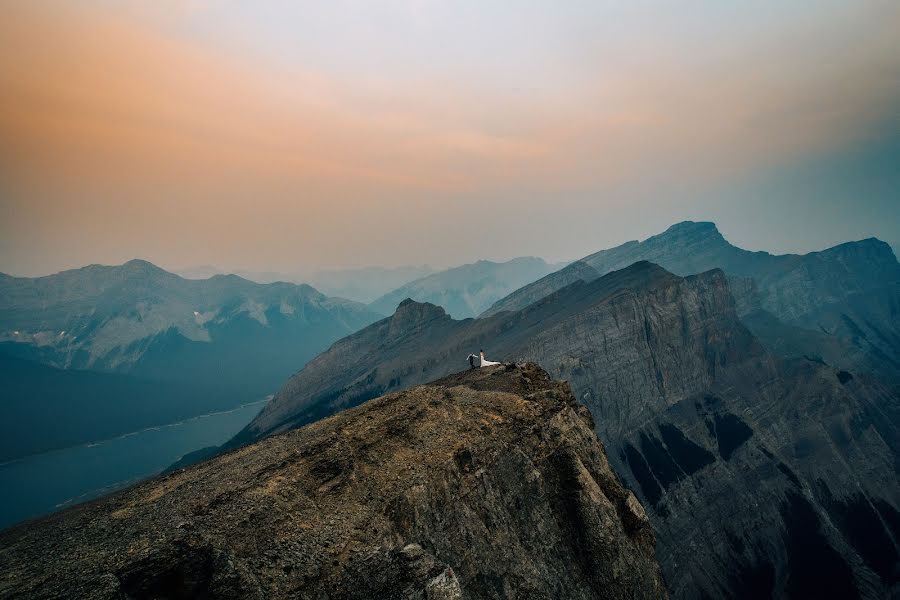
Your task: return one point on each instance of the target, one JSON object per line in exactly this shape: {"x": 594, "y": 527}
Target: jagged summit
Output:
{"x": 484, "y": 484}
{"x": 411, "y": 315}
{"x": 136, "y": 267}
{"x": 411, "y": 309}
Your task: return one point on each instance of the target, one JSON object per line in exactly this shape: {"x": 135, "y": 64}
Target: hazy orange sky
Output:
{"x": 289, "y": 136}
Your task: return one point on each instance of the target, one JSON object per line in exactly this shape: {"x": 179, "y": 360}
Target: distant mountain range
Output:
{"x": 363, "y": 284}
{"x": 215, "y": 343}
{"x": 751, "y": 403}
{"x": 464, "y": 291}
{"x": 366, "y": 284}
{"x": 467, "y": 290}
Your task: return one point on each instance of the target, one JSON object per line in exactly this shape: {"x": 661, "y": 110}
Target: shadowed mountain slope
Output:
{"x": 751, "y": 466}
{"x": 485, "y": 484}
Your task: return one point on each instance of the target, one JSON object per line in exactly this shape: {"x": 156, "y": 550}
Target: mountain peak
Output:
{"x": 140, "y": 263}
{"x": 410, "y": 314}
{"x": 870, "y": 256}
{"x": 692, "y": 228}
{"x": 411, "y": 311}
{"x": 139, "y": 266}
{"x": 870, "y": 245}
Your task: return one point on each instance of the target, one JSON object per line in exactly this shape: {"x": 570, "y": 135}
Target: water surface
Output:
{"x": 44, "y": 483}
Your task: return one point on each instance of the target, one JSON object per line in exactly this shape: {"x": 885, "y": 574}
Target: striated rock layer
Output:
{"x": 485, "y": 484}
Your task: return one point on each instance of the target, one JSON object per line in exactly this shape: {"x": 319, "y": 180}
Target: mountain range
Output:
{"x": 366, "y": 284}
{"x": 210, "y": 344}
{"x": 751, "y": 402}
{"x": 765, "y": 472}
{"x": 363, "y": 284}
{"x": 467, "y": 290}
{"x": 841, "y": 305}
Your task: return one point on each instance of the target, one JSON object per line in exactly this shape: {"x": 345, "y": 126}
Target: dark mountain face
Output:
{"x": 844, "y": 301}
{"x": 218, "y": 342}
{"x": 754, "y": 468}
{"x": 486, "y": 484}
{"x": 468, "y": 290}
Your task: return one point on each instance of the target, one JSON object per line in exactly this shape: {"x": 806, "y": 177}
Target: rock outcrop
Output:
{"x": 750, "y": 465}
{"x": 486, "y": 484}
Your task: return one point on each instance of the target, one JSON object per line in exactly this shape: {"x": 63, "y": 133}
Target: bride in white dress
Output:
{"x": 485, "y": 362}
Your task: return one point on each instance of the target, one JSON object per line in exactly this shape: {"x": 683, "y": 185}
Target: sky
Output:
{"x": 293, "y": 135}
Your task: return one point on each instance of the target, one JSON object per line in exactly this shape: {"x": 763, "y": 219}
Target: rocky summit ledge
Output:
{"x": 486, "y": 484}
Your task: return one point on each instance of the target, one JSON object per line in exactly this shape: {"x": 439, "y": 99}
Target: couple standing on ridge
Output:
{"x": 483, "y": 362}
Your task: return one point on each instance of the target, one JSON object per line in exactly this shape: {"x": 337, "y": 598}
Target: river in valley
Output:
{"x": 44, "y": 483}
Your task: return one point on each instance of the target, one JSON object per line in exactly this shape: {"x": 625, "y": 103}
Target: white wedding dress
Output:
{"x": 487, "y": 363}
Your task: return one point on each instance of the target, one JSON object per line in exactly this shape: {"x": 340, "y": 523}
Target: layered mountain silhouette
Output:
{"x": 220, "y": 341}
{"x": 467, "y": 290}
{"x": 763, "y": 476}
{"x": 363, "y": 284}
{"x": 486, "y": 484}
{"x": 367, "y": 284}
{"x": 840, "y": 305}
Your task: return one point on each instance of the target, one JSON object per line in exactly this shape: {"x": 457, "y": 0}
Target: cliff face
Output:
{"x": 486, "y": 484}
{"x": 762, "y": 476}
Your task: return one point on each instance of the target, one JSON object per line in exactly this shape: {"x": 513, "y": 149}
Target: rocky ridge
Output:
{"x": 485, "y": 484}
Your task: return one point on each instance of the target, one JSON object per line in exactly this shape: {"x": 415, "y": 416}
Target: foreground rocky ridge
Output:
{"x": 486, "y": 484}
{"x": 763, "y": 477}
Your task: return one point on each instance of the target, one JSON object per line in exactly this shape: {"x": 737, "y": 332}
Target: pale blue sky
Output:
{"x": 290, "y": 135}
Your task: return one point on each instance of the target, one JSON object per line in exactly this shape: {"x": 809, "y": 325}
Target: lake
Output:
{"x": 43, "y": 483}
